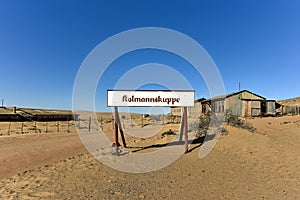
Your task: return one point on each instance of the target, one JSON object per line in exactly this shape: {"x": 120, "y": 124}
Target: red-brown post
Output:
{"x": 185, "y": 129}
{"x": 120, "y": 127}
{"x": 116, "y": 131}
{"x": 181, "y": 127}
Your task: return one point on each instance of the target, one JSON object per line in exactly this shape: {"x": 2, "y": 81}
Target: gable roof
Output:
{"x": 199, "y": 100}
{"x": 231, "y": 94}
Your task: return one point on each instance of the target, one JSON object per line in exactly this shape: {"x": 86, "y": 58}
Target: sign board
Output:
{"x": 149, "y": 98}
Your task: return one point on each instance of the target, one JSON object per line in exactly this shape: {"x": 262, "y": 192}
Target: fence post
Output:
{"x": 57, "y": 126}
{"x": 9, "y": 128}
{"x": 101, "y": 125}
{"x": 89, "y": 124}
{"x": 46, "y": 127}
{"x": 142, "y": 120}
{"x": 22, "y": 127}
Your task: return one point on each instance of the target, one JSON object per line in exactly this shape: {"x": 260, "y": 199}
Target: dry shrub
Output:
{"x": 169, "y": 132}
{"x": 235, "y": 121}
{"x": 211, "y": 119}
{"x": 204, "y": 122}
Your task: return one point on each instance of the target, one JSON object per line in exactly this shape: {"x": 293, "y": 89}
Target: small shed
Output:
{"x": 271, "y": 107}
{"x": 243, "y": 104}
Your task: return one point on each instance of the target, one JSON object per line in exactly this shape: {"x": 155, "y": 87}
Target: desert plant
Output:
{"x": 200, "y": 128}
{"x": 235, "y": 121}
{"x": 168, "y": 132}
{"x": 210, "y": 119}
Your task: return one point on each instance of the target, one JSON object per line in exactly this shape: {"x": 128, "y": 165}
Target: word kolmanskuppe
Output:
{"x": 151, "y": 98}
{"x": 157, "y": 99}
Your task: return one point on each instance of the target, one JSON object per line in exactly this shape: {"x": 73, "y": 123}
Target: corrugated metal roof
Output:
{"x": 33, "y": 111}
{"x": 7, "y": 110}
{"x": 231, "y": 94}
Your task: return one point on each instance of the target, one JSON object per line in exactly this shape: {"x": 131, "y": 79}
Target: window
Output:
{"x": 223, "y": 106}
{"x": 203, "y": 108}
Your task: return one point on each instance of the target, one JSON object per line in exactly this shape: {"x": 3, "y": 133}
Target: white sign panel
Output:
{"x": 146, "y": 98}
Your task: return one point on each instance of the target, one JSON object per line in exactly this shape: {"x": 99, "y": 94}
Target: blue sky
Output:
{"x": 43, "y": 43}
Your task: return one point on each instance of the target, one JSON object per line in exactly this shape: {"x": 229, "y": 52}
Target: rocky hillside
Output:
{"x": 290, "y": 102}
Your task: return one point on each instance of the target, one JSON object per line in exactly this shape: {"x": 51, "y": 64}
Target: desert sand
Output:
{"x": 243, "y": 165}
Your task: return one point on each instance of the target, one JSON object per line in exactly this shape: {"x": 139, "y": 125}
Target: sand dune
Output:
{"x": 243, "y": 165}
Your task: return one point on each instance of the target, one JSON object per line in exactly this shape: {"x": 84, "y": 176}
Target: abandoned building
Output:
{"x": 243, "y": 104}
{"x": 176, "y": 111}
{"x": 289, "y": 106}
{"x": 29, "y": 114}
{"x": 9, "y": 114}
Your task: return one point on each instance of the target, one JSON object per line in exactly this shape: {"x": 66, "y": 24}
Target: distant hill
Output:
{"x": 290, "y": 102}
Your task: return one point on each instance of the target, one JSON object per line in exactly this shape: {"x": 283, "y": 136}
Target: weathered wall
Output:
{"x": 251, "y": 108}
{"x": 176, "y": 111}
{"x": 271, "y": 108}
{"x": 10, "y": 117}
{"x": 255, "y": 108}
{"x": 248, "y": 95}
{"x": 233, "y": 104}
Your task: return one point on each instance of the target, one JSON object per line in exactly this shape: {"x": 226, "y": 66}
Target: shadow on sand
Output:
{"x": 198, "y": 141}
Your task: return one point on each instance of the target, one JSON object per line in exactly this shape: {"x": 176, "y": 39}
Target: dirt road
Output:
{"x": 20, "y": 153}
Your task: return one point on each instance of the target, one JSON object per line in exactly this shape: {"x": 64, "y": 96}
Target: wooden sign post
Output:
{"x": 150, "y": 98}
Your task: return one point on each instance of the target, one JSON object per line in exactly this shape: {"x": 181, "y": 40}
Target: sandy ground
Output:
{"x": 243, "y": 165}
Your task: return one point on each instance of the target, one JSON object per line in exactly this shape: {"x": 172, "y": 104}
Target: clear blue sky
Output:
{"x": 43, "y": 43}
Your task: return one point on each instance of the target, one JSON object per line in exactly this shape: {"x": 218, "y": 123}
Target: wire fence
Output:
{"x": 29, "y": 127}
{"x": 11, "y": 128}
